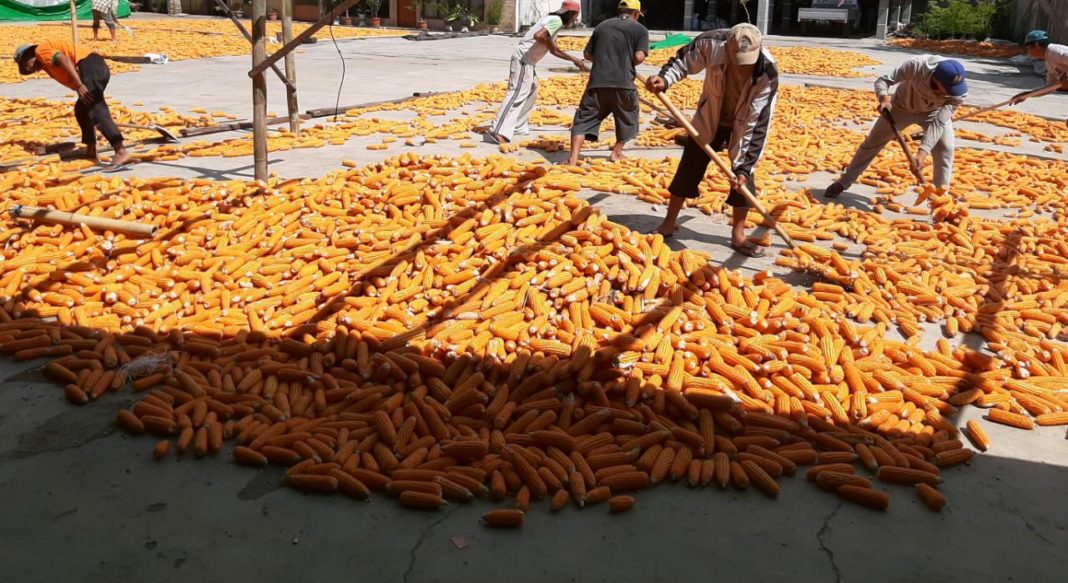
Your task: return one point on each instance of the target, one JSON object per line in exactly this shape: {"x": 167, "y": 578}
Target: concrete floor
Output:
{"x": 85, "y": 502}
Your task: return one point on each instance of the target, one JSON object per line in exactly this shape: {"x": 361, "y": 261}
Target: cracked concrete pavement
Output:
{"x": 86, "y": 502}
{"x": 823, "y": 545}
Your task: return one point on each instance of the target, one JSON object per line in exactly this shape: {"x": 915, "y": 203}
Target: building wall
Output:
{"x": 1032, "y": 14}
{"x": 508, "y": 15}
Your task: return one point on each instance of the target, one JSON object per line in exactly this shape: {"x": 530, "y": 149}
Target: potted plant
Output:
{"x": 374, "y": 6}
{"x": 420, "y": 20}
{"x": 455, "y": 13}
{"x": 346, "y": 19}
{"x": 494, "y": 10}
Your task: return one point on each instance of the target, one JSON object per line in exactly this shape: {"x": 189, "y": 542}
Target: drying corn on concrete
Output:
{"x": 790, "y": 60}
{"x": 474, "y": 337}
{"x": 186, "y": 39}
{"x": 960, "y": 47}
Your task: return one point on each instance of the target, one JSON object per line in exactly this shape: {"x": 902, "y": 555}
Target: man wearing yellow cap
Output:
{"x": 617, "y": 46}
{"x": 737, "y": 102}
{"x": 86, "y": 73}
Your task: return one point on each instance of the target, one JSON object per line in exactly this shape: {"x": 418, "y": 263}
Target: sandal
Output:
{"x": 749, "y": 249}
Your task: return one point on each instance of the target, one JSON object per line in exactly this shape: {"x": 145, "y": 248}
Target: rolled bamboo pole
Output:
{"x": 99, "y": 223}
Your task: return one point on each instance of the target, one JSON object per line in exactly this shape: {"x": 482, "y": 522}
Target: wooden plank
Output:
{"x": 231, "y": 127}
{"x": 327, "y": 111}
{"x": 300, "y": 38}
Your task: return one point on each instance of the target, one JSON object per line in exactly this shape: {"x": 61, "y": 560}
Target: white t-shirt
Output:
{"x": 530, "y": 51}
{"x": 1056, "y": 63}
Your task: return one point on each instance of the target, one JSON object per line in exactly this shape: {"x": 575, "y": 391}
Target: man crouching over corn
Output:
{"x": 737, "y": 103}
{"x": 930, "y": 88}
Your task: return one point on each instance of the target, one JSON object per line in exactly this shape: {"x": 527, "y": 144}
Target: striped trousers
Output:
{"x": 514, "y": 116}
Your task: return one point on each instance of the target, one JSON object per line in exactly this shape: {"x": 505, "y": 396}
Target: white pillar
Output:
{"x": 906, "y": 12}
{"x": 884, "y": 12}
{"x": 687, "y": 15}
{"x": 895, "y": 15}
{"x": 763, "y": 16}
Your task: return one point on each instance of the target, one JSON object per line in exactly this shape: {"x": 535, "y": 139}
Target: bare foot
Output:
{"x": 617, "y": 157}
{"x": 667, "y": 230}
{"x": 121, "y": 157}
{"x": 90, "y": 155}
{"x": 571, "y": 162}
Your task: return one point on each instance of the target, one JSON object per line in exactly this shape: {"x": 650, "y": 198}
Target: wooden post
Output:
{"x": 291, "y": 68}
{"x": 74, "y": 24}
{"x": 259, "y": 89}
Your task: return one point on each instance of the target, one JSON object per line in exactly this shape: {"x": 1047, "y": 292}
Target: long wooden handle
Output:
{"x": 74, "y": 25}
{"x": 1036, "y": 93}
{"x": 723, "y": 166}
{"x": 916, "y": 170}
{"x": 65, "y": 218}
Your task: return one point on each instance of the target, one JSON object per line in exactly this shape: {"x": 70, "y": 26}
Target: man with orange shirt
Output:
{"x": 88, "y": 74}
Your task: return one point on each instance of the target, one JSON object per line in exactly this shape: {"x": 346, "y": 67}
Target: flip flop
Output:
{"x": 119, "y": 168}
{"x": 749, "y": 249}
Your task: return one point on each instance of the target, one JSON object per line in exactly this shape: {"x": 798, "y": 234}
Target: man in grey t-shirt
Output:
{"x": 1038, "y": 46}
{"x": 617, "y": 46}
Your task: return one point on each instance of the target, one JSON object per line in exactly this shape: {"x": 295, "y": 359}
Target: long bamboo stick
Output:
{"x": 65, "y": 218}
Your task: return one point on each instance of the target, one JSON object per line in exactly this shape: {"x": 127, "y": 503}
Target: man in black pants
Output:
{"x": 737, "y": 102}
{"x": 86, "y": 73}
{"x": 616, "y": 47}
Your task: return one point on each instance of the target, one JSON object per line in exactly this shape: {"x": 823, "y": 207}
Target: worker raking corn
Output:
{"x": 930, "y": 88}
{"x": 1038, "y": 46}
{"x": 617, "y": 46}
{"x": 86, "y": 73}
{"x": 514, "y": 117}
{"x": 735, "y": 110}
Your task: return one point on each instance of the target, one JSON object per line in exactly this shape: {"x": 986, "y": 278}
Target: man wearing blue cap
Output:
{"x": 929, "y": 89}
{"x": 1056, "y": 57}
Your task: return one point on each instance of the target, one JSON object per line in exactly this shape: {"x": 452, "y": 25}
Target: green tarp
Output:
{"x": 11, "y": 10}
{"x": 675, "y": 40}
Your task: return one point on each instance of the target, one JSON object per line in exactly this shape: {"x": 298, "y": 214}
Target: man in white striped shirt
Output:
{"x": 514, "y": 117}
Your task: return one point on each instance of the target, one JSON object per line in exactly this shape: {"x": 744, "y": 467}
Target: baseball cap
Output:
{"x": 21, "y": 52}
{"x": 745, "y": 40}
{"x": 1036, "y": 36}
{"x": 634, "y": 5}
{"x": 570, "y": 6}
{"x": 950, "y": 74}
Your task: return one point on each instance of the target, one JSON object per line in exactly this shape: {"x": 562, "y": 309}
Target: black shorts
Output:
{"x": 597, "y": 104}
{"x": 692, "y": 169}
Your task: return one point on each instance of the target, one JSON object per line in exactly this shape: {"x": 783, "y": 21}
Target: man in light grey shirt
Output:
{"x": 929, "y": 89}
{"x": 1038, "y": 46}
